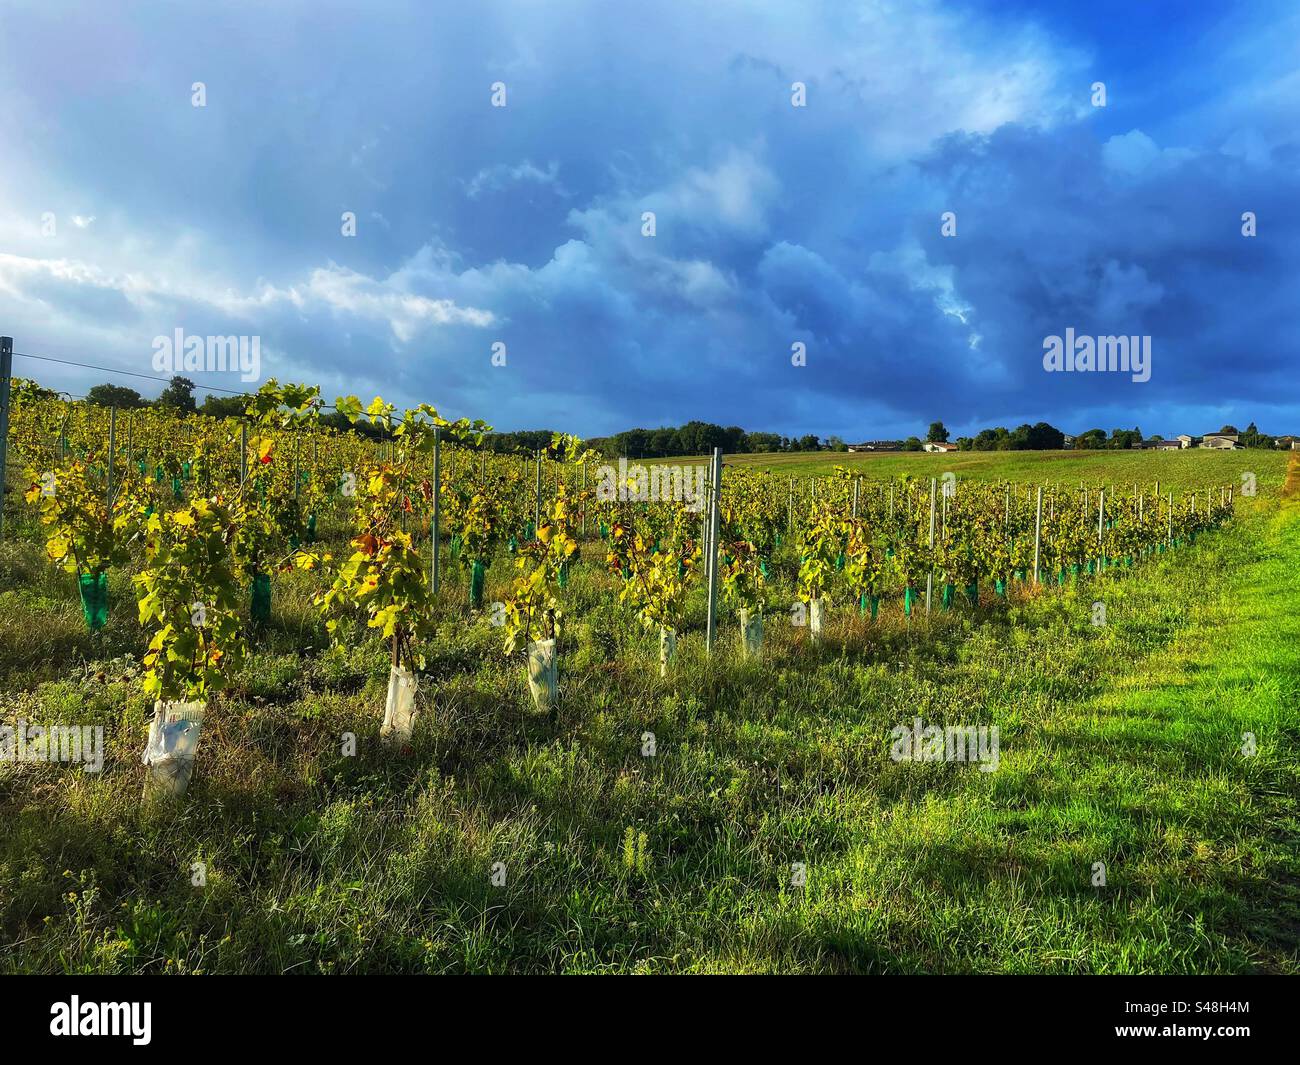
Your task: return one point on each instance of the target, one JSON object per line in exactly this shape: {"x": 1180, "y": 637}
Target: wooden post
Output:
{"x": 715, "y": 498}
{"x": 537, "y": 497}
{"x": 6, "y": 372}
{"x": 112, "y": 443}
{"x": 929, "y": 577}
{"x": 1101, "y": 522}
{"x": 433, "y": 519}
{"x": 1038, "y": 531}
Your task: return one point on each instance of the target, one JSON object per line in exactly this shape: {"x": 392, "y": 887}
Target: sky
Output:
{"x": 127, "y": 212}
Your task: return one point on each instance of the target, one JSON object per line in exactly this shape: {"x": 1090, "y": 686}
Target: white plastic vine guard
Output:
{"x": 543, "y": 673}
{"x": 751, "y": 633}
{"x": 815, "y": 618}
{"x": 399, "y": 711}
{"x": 173, "y": 741}
{"x": 667, "y": 648}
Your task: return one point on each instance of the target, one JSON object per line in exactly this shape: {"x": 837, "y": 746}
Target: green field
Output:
{"x": 1189, "y": 469}
{"x": 1120, "y": 744}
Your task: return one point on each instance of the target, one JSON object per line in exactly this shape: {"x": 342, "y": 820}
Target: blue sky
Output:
{"x": 775, "y": 224}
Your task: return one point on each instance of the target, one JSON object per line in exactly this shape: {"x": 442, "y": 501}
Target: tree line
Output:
{"x": 693, "y": 438}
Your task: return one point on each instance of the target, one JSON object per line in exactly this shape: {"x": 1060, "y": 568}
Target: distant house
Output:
{"x": 933, "y": 447}
{"x": 877, "y": 445}
{"x": 1168, "y": 445}
{"x": 1220, "y": 441}
{"x": 1287, "y": 442}
{"x": 1188, "y": 441}
{"x": 1067, "y": 440}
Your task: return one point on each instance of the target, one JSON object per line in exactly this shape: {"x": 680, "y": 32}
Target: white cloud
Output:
{"x": 496, "y": 178}
{"x": 332, "y": 288}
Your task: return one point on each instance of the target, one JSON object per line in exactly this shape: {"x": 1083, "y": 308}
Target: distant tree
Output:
{"x": 1123, "y": 439}
{"x": 178, "y": 394}
{"x": 1044, "y": 437}
{"x": 964, "y": 443}
{"x": 1228, "y": 430}
{"x": 339, "y": 422}
{"x": 1092, "y": 440}
{"x": 116, "y": 396}
{"x": 1252, "y": 437}
{"x": 223, "y": 406}
{"x": 522, "y": 441}
{"x": 810, "y": 442}
{"x": 836, "y": 444}
{"x": 912, "y": 443}
{"x": 937, "y": 434}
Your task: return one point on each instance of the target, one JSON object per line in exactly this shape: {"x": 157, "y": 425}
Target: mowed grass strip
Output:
{"x": 1200, "y": 840}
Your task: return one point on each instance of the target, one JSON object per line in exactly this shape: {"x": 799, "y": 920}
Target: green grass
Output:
{"x": 1119, "y": 744}
{"x": 1178, "y": 470}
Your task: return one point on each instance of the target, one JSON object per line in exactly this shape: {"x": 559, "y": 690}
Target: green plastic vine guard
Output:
{"x": 94, "y": 599}
{"x": 260, "y": 605}
{"x": 477, "y": 575}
